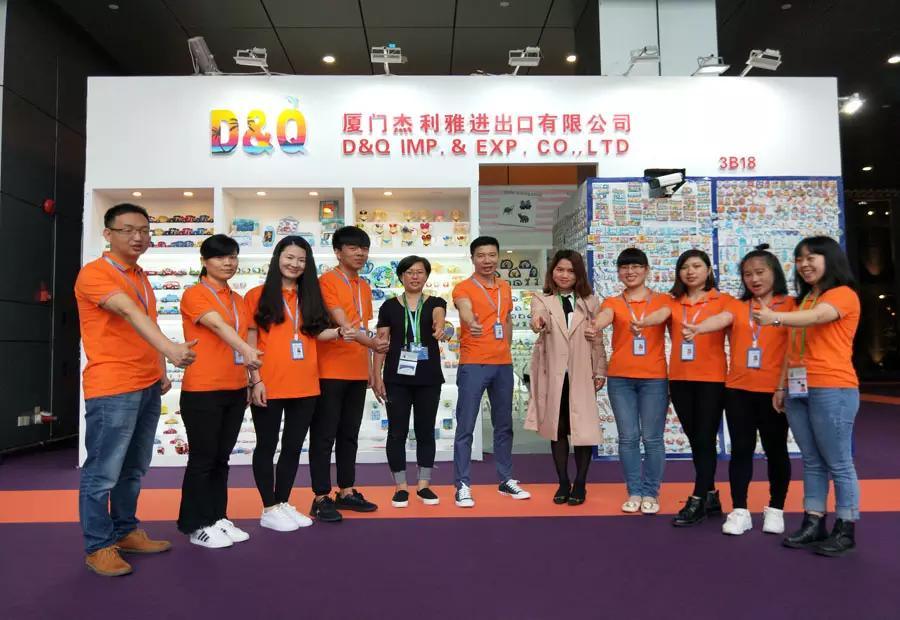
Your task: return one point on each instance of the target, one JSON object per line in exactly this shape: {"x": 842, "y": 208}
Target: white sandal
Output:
{"x": 632, "y": 505}
{"x": 649, "y": 505}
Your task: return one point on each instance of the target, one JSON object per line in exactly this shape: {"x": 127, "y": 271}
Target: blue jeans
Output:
{"x": 472, "y": 380}
{"x": 640, "y": 407}
{"x": 823, "y": 428}
{"x": 118, "y": 436}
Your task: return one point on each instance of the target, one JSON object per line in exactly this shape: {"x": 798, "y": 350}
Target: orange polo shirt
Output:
{"x": 485, "y": 349}
{"x": 624, "y": 363}
{"x": 214, "y": 368}
{"x": 119, "y": 360}
{"x": 339, "y": 359}
{"x": 283, "y": 376}
{"x": 709, "y": 349}
{"x": 828, "y": 356}
{"x": 773, "y": 342}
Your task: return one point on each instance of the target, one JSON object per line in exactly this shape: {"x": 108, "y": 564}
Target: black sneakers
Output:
{"x": 400, "y": 499}
{"x": 841, "y": 540}
{"x": 428, "y": 497}
{"x": 812, "y": 531}
{"x": 355, "y": 502}
{"x": 324, "y": 510}
{"x": 694, "y": 512}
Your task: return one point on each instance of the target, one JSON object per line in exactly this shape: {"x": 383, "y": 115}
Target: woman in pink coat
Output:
{"x": 563, "y": 384}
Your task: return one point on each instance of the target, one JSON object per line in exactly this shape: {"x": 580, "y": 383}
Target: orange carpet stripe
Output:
{"x": 880, "y": 398}
{"x": 605, "y": 499}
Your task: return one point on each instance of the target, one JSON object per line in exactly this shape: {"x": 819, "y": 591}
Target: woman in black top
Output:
{"x": 412, "y": 376}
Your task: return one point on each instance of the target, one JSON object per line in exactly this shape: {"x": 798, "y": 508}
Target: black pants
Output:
{"x": 747, "y": 413}
{"x": 275, "y": 484}
{"x": 424, "y": 400}
{"x": 560, "y": 448}
{"x": 335, "y": 423}
{"x": 213, "y": 421}
{"x": 699, "y": 407}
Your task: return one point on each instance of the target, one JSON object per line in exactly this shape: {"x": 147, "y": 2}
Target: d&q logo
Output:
{"x": 225, "y": 131}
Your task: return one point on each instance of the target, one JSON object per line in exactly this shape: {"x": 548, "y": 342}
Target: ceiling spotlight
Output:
{"x": 136, "y": 194}
{"x": 389, "y": 193}
{"x": 894, "y": 60}
{"x": 870, "y": 213}
{"x": 881, "y": 296}
{"x": 769, "y": 60}
{"x": 528, "y": 57}
{"x": 314, "y": 193}
{"x": 571, "y": 58}
{"x": 787, "y": 6}
{"x": 711, "y": 65}
{"x": 648, "y": 53}
{"x": 187, "y": 194}
{"x": 504, "y": 4}
{"x": 260, "y": 193}
{"x": 387, "y": 55}
{"x": 867, "y": 168}
{"x": 113, "y": 7}
{"x": 253, "y": 57}
{"x": 851, "y": 104}
{"x": 201, "y": 57}
{"x": 862, "y": 202}
{"x": 328, "y": 59}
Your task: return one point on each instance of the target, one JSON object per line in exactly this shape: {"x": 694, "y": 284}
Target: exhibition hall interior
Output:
{"x": 589, "y": 307}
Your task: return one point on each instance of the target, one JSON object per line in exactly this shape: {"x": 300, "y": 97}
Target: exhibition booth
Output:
{"x": 258, "y": 158}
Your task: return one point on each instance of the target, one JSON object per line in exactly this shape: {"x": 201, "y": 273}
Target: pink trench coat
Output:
{"x": 555, "y": 352}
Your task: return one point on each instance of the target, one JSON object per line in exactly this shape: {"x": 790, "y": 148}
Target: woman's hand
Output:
{"x": 778, "y": 401}
{"x": 688, "y": 331}
{"x": 538, "y": 324}
{"x": 379, "y": 390}
{"x": 590, "y": 332}
{"x": 251, "y": 357}
{"x": 637, "y": 326}
{"x": 599, "y": 382}
{"x": 258, "y": 394}
{"x": 437, "y": 329}
{"x": 764, "y": 316}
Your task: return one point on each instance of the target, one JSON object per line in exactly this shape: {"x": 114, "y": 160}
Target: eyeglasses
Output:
{"x": 130, "y": 232}
{"x": 632, "y": 267}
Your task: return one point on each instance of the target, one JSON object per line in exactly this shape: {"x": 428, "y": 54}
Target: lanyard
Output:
{"x": 497, "y": 305}
{"x": 146, "y": 296}
{"x": 631, "y": 310}
{"x": 696, "y": 314}
{"x": 412, "y": 318}
{"x": 295, "y": 318}
{"x": 237, "y": 317}
{"x": 802, "y": 331}
{"x": 358, "y": 300}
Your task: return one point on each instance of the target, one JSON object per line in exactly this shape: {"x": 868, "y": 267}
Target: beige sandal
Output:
{"x": 632, "y": 505}
{"x": 649, "y": 505}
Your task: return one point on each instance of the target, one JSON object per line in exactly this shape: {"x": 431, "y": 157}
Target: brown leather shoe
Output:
{"x": 107, "y": 562}
{"x": 137, "y": 541}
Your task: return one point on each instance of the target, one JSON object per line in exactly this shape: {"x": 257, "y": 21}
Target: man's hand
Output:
{"x": 165, "y": 384}
{"x": 475, "y": 326}
{"x": 181, "y": 354}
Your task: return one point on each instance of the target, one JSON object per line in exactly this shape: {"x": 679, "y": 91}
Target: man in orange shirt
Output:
{"x": 123, "y": 381}
{"x": 345, "y": 370}
{"x": 484, "y": 302}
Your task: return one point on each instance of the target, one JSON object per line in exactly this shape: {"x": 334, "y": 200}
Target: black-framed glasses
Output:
{"x": 130, "y": 232}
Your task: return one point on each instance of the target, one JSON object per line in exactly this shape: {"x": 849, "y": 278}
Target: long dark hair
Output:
{"x": 779, "y": 286}
{"x": 216, "y": 246}
{"x": 271, "y": 305}
{"x": 582, "y": 286}
{"x": 679, "y": 288}
{"x": 837, "y": 267}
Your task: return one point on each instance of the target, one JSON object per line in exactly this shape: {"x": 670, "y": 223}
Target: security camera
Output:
{"x": 528, "y": 57}
{"x": 664, "y": 181}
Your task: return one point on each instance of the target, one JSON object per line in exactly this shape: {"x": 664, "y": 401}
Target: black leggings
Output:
{"x": 275, "y": 484}
{"x": 212, "y": 421}
{"x": 424, "y": 400}
{"x": 699, "y": 407}
{"x": 747, "y": 413}
{"x": 560, "y": 447}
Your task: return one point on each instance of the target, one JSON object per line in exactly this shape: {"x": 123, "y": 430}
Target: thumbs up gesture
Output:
{"x": 182, "y": 355}
{"x": 538, "y": 324}
{"x": 475, "y": 325}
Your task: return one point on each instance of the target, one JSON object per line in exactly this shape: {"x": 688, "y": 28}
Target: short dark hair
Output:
{"x": 218, "y": 245}
{"x": 632, "y": 256}
{"x": 582, "y": 285}
{"x": 483, "y": 240}
{"x": 679, "y": 288}
{"x": 409, "y": 261}
{"x": 121, "y": 209}
{"x": 837, "y": 267}
{"x": 779, "y": 286}
{"x": 350, "y": 235}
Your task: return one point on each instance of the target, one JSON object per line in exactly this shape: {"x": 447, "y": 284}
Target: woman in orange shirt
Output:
{"x": 696, "y": 375}
{"x": 757, "y": 353}
{"x": 214, "y": 393}
{"x": 822, "y": 391}
{"x": 288, "y": 317}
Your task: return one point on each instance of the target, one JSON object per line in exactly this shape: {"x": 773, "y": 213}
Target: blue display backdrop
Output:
{"x": 727, "y": 217}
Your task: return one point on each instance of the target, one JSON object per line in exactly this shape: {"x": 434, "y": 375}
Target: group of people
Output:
{"x": 298, "y": 349}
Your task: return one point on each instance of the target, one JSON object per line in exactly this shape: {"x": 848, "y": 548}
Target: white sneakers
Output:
{"x": 211, "y": 537}
{"x": 773, "y": 520}
{"x": 464, "y": 497}
{"x": 232, "y": 531}
{"x": 284, "y": 518}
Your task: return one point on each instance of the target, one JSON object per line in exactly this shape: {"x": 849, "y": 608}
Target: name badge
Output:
{"x": 687, "y": 351}
{"x": 797, "y": 387}
{"x": 498, "y": 331}
{"x": 409, "y": 360}
{"x": 639, "y": 346}
{"x": 420, "y": 349}
{"x": 238, "y": 358}
{"x": 296, "y": 350}
{"x": 754, "y": 358}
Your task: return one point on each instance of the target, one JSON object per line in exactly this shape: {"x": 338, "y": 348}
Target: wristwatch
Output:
{"x": 777, "y": 322}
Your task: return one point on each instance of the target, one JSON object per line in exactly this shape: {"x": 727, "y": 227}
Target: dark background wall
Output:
{"x": 47, "y": 61}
